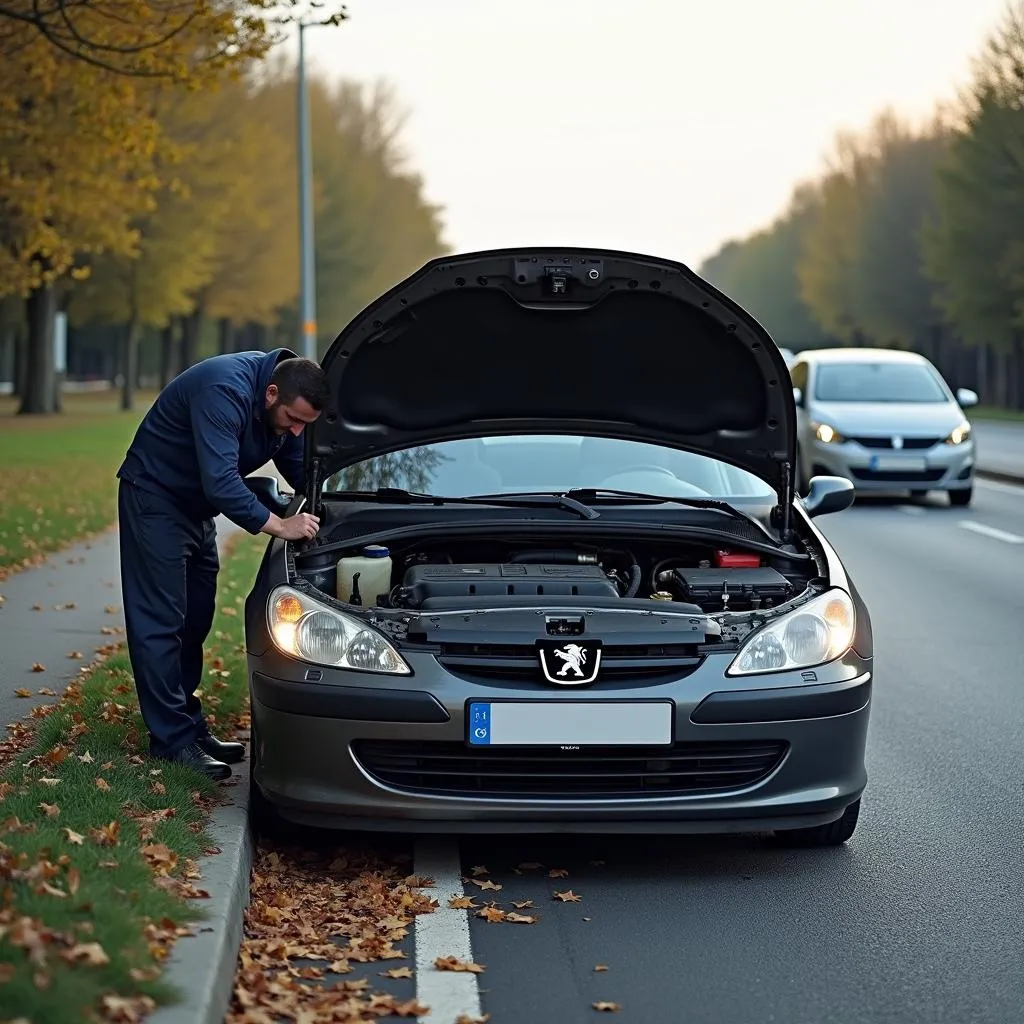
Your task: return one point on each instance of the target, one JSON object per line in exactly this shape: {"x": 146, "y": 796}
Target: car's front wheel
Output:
{"x": 961, "y": 499}
{"x": 835, "y": 833}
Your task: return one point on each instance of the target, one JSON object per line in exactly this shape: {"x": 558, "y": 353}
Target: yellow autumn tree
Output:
{"x": 78, "y": 136}
{"x": 180, "y": 239}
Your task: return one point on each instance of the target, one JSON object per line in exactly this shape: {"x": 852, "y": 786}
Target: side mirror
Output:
{"x": 966, "y": 397}
{"x": 798, "y": 396}
{"x": 828, "y": 494}
{"x": 268, "y": 490}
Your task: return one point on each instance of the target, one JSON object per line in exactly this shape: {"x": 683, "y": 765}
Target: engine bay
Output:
{"x": 445, "y": 573}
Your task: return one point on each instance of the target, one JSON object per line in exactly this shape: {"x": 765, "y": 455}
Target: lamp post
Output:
{"x": 307, "y": 270}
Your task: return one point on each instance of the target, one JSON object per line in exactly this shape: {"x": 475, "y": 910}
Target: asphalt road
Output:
{"x": 917, "y": 919}
{"x": 1000, "y": 445}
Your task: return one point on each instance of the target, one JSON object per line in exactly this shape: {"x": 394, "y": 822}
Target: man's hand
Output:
{"x": 301, "y": 526}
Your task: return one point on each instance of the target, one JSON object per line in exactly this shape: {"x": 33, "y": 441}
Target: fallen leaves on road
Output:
{"x": 311, "y": 918}
{"x": 451, "y": 963}
{"x": 567, "y": 897}
{"x": 605, "y": 1007}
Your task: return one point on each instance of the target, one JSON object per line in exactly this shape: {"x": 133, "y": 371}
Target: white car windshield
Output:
{"x": 877, "y": 382}
{"x": 547, "y": 463}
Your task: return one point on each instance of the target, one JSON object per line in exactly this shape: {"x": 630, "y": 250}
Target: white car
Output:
{"x": 884, "y": 419}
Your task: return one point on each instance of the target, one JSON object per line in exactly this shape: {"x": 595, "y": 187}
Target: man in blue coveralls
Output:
{"x": 212, "y": 425}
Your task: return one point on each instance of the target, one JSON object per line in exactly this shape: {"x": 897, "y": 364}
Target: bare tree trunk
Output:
{"x": 167, "y": 352}
{"x": 224, "y": 339}
{"x": 38, "y": 395}
{"x": 190, "y": 338}
{"x": 129, "y": 362}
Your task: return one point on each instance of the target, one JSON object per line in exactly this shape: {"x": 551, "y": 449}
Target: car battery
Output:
{"x": 733, "y": 589}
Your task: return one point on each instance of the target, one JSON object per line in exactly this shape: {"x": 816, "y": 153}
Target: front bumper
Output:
{"x": 307, "y": 758}
{"x": 941, "y": 467}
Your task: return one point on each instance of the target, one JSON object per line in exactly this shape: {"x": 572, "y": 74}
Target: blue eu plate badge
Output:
{"x": 480, "y": 724}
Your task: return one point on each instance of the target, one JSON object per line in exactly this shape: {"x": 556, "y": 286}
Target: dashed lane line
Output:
{"x": 445, "y": 932}
{"x": 990, "y": 531}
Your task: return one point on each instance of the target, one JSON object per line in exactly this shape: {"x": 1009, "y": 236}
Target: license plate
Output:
{"x": 897, "y": 463}
{"x": 580, "y": 723}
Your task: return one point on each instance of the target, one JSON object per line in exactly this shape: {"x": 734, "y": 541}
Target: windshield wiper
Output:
{"x": 716, "y": 504}
{"x": 400, "y": 496}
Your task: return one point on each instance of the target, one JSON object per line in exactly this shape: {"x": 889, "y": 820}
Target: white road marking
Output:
{"x": 990, "y": 531}
{"x": 911, "y": 510}
{"x": 445, "y": 932}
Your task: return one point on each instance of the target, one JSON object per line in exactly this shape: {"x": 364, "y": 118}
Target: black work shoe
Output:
{"x": 229, "y": 753}
{"x": 193, "y": 756}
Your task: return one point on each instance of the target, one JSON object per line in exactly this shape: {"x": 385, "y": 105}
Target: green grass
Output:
{"x": 994, "y": 412}
{"x": 75, "y": 873}
{"x": 57, "y": 480}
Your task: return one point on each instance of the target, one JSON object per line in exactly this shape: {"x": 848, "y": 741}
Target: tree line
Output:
{"x": 911, "y": 237}
{"x": 149, "y": 189}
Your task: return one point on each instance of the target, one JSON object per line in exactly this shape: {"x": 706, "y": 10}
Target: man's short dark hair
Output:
{"x": 301, "y": 378}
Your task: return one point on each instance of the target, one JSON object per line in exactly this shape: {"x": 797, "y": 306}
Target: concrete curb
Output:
{"x": 999, "y": 476}
{"x": 202, "y": 966}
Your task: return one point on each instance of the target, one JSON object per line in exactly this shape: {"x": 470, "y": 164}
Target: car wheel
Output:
{"x": 961, "y": 499}
{"x": 835, "y": 833}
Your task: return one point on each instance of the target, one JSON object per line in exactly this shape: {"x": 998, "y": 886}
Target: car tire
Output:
{"x": 961, "y": 499}
{"x": 835, "y": 833}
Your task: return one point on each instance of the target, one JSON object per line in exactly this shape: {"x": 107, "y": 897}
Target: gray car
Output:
{"x": 884, "y": 419}
{"x": 563, "y": 582}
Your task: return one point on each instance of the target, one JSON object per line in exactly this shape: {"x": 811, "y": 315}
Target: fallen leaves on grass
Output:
{"x": 313, "y": 917}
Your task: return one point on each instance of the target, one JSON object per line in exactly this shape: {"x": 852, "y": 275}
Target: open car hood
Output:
{"x": 576, "y": 341}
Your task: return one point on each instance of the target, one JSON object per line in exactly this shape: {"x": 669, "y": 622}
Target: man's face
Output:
{"x": 290, "y": 418}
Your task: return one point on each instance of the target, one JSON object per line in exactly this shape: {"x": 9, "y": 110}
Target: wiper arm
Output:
{"x": 400, "y": 496}
{"x": 596, "y": 493}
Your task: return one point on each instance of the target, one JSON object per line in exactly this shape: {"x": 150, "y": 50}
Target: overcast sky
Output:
{"x": 660, "y": 126}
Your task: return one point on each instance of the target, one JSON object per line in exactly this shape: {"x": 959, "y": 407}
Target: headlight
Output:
{"x": 819, "y": 631}
{"x": 960, "y": 434}
{"x": 827, "y": 434}
{"x": 305, "y": 628}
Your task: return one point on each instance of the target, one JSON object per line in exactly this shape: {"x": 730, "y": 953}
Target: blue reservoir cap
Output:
{"x": 376, "y": 551}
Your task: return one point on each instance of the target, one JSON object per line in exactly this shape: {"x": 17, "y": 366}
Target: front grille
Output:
{"x": 909, "y": 443}
{"x": 453, "y": 769}
{"x": 927, "y": 476}
{"x": 519, "y": 662}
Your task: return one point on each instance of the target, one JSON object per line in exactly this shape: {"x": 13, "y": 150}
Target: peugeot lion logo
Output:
{"x": 570, "y": 664}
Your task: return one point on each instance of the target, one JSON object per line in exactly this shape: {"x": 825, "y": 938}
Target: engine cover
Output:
{"x": 425, "y": 581}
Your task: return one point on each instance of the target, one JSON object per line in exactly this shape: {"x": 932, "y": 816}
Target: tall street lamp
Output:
{"x": 307, "y": 271}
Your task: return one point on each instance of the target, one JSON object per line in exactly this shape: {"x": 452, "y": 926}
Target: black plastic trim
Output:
{"x": 784, "y": 704}
{"x": 356, "y": 703}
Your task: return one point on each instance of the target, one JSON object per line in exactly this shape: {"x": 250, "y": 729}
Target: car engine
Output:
{"x": 516, "y": 579}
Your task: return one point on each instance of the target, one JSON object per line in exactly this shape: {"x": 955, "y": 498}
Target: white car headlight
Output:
{"x": 818, "y": 632}
{"x": 827, "y": 434}
{"x": 308, "y": 629}
{"x": 959, "y": 434}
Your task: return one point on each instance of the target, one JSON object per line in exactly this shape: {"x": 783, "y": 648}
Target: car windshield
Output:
{"x": 545, "y": 463}
{"x": 877, "y": 382}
